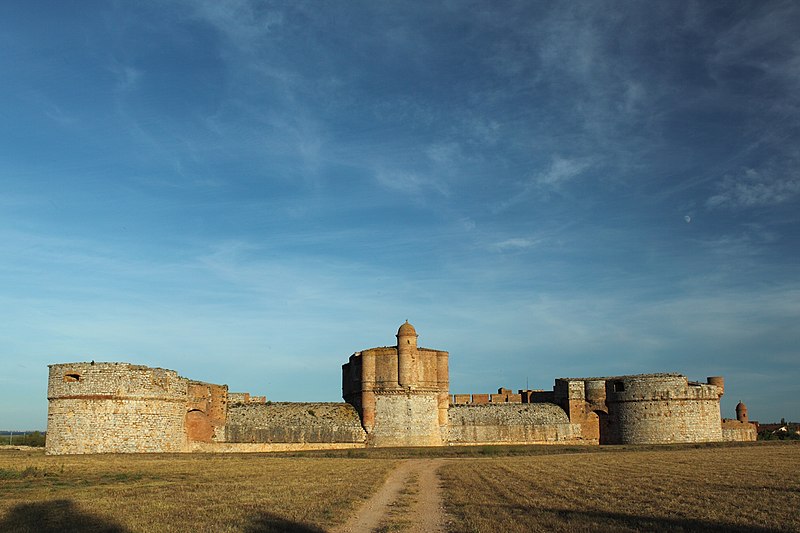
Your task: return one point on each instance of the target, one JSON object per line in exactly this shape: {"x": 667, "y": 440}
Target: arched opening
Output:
{"x": 602, "y": 419}
{"x": 198, "y": 426}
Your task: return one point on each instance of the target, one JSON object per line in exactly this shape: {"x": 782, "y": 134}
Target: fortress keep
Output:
{"x": 400, "y": 392}
{"x": 394, "y": 396}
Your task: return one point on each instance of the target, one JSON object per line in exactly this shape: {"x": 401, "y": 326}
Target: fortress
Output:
{"x": 394, "y": 396}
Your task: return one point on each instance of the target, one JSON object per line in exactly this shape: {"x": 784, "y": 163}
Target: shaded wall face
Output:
{"x": 115, "y": 407}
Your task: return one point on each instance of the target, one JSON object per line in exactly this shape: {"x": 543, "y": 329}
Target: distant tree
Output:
{"x": 35, "y": 438}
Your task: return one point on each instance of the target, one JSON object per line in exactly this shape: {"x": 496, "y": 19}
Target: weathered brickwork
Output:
{"x": 395, "y": 396}
{"x": 207, "y": 408}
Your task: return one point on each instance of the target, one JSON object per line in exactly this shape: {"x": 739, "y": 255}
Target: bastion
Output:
{"x": 393, "y": 396}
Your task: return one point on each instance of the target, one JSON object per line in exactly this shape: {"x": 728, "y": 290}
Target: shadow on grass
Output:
{"x": 268, "y": 522}
{"x": 572, "y": 520}
{"x": 54, "y": 516}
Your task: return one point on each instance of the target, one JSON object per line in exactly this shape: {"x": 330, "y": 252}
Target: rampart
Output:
{"x": 294, "y": 423}
{"x": 510, "y": 424}
{"x": 395, "y": 396}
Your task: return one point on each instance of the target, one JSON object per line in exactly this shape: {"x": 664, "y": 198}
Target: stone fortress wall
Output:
{"x": 662, "y": 408}
{"x": 115, "y": 407}
{"x": 294, "y": 423}
{"x": 394, "y": 396}
{"x": 542, "y": 423}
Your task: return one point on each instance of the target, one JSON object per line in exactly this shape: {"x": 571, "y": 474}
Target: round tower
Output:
{"x": 718, "y": 382}
{"x": 406, "y": 355}
{"x": 741, "y": 412}
{"x": 115, "y": 408}
{"x": 662, "y": 408}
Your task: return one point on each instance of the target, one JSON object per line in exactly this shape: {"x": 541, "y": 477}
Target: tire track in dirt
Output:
{"x": 425, "y": 512}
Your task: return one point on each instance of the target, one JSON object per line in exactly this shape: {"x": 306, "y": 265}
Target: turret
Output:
{"x": 741, "y": 412}
{"x": 407, "y": 355}
{"x": 718, "y": 382}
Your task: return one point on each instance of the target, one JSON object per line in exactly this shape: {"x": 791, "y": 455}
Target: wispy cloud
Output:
{"x": 409, "y": 182}
{"x": 242, "y": 22}
{"x": 754, "y": 188}
{"x": 561, "y": 171}
{"x": 553, "y": 178}
{"x": 517, "y": 243}
{"x": 127, "y": 77}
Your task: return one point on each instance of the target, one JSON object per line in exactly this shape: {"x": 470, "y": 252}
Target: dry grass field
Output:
{"x": 754, "y": 488}
{"x": 181, "y": 492}
{"x": 751, "y": 487}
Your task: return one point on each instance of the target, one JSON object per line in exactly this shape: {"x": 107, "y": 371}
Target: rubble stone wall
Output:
{"x": 510, "y": 423}
{"x": 115, "y": 407}
{"x": 294, "y": 423}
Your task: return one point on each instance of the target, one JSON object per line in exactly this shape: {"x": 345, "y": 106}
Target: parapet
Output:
{"x": 114, "y": 380}
{"x": 503, "y": 396}
{"x": 245, "y": 397}
{"x": 654, "y": 387}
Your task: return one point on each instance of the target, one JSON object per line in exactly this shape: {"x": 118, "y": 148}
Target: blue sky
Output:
{"x": 248, "y": 192}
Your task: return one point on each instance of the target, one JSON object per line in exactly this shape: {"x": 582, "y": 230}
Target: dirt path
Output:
{"x": 409, "y": 501}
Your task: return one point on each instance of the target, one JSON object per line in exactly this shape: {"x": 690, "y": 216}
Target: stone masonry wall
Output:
{"x": 115, "y": 407}
{"x": 734, "y": 430}
{"x": 406, "y": 419}
{"x": 662, "y": 408}
{"x": 510, "y": 423}
{"x": 294, "y": 423}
